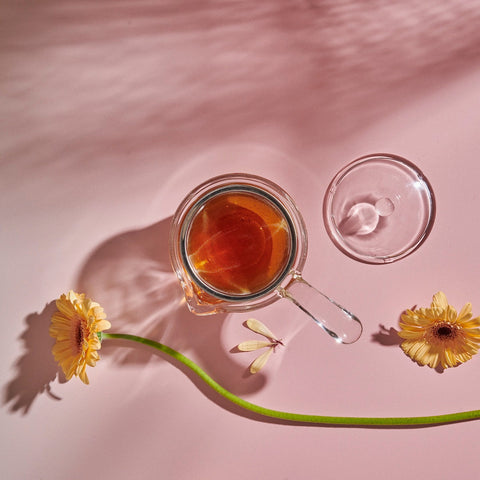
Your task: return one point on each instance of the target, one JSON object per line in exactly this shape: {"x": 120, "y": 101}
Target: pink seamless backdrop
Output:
{"x": 111, "y": 111}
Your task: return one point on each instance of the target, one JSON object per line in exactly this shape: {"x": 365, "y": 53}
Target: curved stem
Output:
{"x": 298, "y": 417}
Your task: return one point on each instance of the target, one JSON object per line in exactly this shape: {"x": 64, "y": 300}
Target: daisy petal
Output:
{"x": 440, "y": 301}
{"x": 260, "y": 361}
{"x": 465, "y": 313}
{"x": 251, "y": 345}
{"x": 258, "y": 327}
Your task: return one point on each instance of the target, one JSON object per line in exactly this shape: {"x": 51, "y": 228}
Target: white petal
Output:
{"x": 251, "y": 345}
{"x": 260, "y": 361}
{"x": 258, "y": 327}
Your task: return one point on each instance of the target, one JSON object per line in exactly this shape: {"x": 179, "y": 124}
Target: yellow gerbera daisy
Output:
{"x": 75, "y": 326}
{"x": 438, "y": 335}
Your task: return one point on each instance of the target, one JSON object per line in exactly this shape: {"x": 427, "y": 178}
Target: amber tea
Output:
{"x": 239, "y": 242}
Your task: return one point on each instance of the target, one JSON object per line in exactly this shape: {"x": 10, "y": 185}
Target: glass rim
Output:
{"x": 210, "y": 289}
{"x": 251, "y": 184}
{"x": 401, "y": 164}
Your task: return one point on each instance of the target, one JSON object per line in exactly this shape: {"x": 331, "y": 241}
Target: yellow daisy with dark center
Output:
{"x": 438, "y": 335}
{"x": 75, "y": 327}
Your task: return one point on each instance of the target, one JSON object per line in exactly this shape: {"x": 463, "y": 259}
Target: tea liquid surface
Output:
{"x": 239, "y": 242}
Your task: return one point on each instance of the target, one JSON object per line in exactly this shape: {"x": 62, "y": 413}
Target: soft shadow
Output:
{"x": 387, "y": 337}
{"x": 36, "y": 368}
{"x": 207, "y": 70}
{"x": 131, "y": 277}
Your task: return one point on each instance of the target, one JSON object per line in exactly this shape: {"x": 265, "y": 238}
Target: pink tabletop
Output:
{"x": 111, "y": 113}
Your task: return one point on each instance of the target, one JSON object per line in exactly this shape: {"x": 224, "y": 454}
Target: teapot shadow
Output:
{"x": 131, "y": 277}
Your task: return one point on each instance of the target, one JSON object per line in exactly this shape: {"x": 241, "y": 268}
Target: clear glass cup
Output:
{"x": 238, "y": 243}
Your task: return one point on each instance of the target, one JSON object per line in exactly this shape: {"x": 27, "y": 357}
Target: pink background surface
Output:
{"x": 111, "y": 112}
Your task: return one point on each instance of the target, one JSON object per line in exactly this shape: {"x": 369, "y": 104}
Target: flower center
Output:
{"x": 445, "y": 331}
{"x": 79, "y": 333}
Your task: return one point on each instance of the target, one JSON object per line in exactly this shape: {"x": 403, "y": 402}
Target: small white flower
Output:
{"x": 251, "y": 345}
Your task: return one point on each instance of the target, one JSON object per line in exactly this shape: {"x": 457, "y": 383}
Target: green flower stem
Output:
{"x": 298, "y": 417}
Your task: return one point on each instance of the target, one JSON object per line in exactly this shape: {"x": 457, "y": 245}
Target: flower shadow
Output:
{"x": 36, "y": 368}
{"x": 388, "y": 337}
{"x": 131, "y": 277}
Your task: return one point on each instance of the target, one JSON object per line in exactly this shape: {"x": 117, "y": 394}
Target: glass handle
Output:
{"x": 337, "y": 321}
